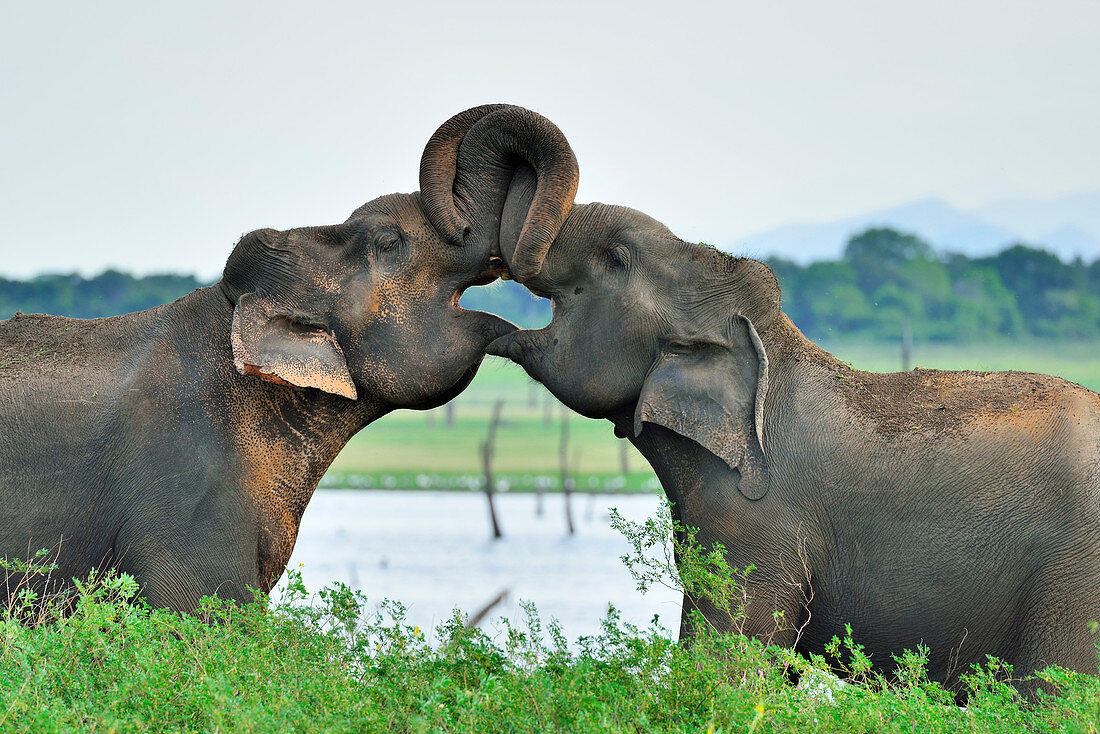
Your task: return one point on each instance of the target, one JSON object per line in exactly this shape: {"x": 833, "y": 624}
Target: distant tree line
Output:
{"x": 108, "y": 294}
{"x": 111, "y": 293}
{"x": 884, "y": 279}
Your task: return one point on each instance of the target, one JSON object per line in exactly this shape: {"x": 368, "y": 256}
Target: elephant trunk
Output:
{"x": 496, "y": 156}
{"x": 526, "y": 348}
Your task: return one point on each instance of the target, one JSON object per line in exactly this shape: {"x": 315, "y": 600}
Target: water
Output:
{"x": 432, "y": 551}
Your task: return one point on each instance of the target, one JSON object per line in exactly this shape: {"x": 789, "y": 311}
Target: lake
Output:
{"x": 433, "y": 552}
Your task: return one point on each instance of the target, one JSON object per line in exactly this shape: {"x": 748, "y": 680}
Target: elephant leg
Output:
{"x": 176, "y": 575}
{"x": 768, "y": 612}
{"x": 1055, "y": 626}
{"x": 180, "y": 585}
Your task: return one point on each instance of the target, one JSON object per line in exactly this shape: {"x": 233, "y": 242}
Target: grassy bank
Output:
{"x": 528, "y": 482}
{"x": 420, "y": 450}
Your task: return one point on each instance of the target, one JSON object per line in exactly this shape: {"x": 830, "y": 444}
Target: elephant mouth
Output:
{"x": 529, "y": 348}
{"x": 496, "y": 269}
{"x": 500, "y": 267}
{"x": 484, "y": 327}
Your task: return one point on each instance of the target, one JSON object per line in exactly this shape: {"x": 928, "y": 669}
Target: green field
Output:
{"x": 417, "y": 450}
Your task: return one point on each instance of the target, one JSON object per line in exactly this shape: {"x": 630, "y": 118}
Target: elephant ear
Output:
{"x": 276, "y": 346}
{"x": 714, "y": 395}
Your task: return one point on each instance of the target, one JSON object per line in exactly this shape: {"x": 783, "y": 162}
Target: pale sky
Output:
{"x": 150, "y": 137}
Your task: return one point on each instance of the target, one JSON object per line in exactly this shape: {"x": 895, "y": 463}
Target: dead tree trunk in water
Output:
{"x": 590, "y": 509}
{"x": 532, "y": 395}
{"x": 566, "y": 479}
{"x": 449, "y": 415}
{"x": 477, "y": 617}
{"x": 487, "y": 449}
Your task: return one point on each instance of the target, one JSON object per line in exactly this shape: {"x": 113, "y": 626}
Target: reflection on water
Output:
{"x": 432, "y": 552}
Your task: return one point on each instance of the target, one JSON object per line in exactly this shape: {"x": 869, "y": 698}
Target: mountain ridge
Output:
{"x": 1068, "y": 225}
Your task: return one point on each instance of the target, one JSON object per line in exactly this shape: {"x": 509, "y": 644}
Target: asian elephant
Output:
{"x": 958, "y": 510}
{"x": 182, "y": 444}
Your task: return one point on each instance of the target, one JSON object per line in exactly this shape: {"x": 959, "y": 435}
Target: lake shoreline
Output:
{"x": 515, "y": 491}
{"x": 503, "y": 482}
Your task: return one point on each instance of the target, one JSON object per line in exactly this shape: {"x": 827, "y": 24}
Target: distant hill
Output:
{"x": 1068, "y": 226}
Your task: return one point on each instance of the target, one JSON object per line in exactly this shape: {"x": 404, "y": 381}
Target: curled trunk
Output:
{"x": 498, "y": 177}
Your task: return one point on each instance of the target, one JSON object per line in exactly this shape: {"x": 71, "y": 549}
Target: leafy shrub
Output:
{"x": 328, "y": 662}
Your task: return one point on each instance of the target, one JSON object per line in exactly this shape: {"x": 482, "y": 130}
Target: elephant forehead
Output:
{"x": 401, "y": 208}
{"x": 712, "y": 285}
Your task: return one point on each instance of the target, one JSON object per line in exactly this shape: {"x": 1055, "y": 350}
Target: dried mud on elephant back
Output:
{"x": 940, "y": 401}
{"x": 33, "y": 341}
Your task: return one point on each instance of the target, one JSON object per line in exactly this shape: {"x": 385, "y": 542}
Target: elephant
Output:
{"x": 182, "y": 444}
{"x": 955, "y": 510}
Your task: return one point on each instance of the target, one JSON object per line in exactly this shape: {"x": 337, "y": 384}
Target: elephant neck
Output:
{"x": 279, "y": 439}
{"x": 694, "y": 480}
{"x": 786, "y": 347}
{"x": 795, "y": 366}
{"x": 697, "y": 483}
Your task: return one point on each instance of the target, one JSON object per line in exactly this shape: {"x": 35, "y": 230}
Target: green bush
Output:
{"x": 326, "y": 663}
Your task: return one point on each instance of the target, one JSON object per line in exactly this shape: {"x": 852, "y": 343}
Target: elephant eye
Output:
{"x": 688, "y": 347}
{"x": 618, "y": 257}
{"x": 302, "y": 326}
{"x": 387, "y": 239}
{"x": 679, "y": 347}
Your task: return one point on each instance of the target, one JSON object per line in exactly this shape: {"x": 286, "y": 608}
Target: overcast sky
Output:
{"x": 150, "y": 137}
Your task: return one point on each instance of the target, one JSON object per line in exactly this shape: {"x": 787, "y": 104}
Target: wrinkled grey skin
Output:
{"x": 182, "y": 444}
{"x": 956, "y": 510}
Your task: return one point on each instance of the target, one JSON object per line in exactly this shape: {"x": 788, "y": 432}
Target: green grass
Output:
{"x": 112, "y": 664}
{"x": 416, "y": 450}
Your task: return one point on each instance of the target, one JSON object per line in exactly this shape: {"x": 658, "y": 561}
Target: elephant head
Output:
{"x": 370, "y": 306}
{"x": 649, "y": 329}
